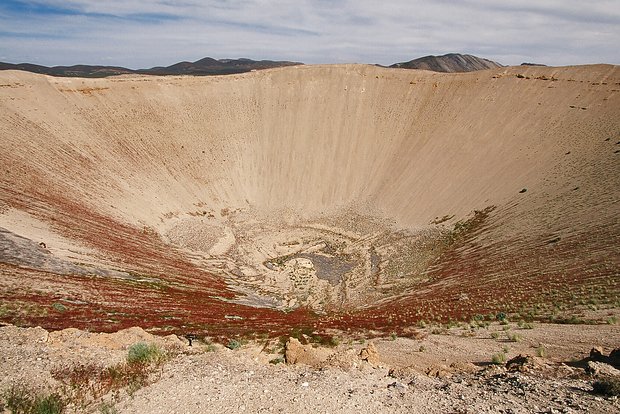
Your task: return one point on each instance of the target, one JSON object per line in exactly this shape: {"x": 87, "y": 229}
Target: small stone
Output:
{"x": 305, "y": 384}
{"x": 440, "y": 371}
{"x": 398, "y": 386}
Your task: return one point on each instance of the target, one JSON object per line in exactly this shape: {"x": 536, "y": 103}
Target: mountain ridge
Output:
{"x": 449, "y": 63}
{"x": 204, "y": 66}
{"x": 208, "y": 66}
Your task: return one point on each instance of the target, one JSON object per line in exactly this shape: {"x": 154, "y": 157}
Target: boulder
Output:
{"x": 296, "y": 353}
{"x": 521, "y": 363}
{"x": 370, "y": 354}
{"x": 601, "y": 369}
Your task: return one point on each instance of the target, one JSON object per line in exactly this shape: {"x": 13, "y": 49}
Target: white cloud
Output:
{"x": 138, "y": 33}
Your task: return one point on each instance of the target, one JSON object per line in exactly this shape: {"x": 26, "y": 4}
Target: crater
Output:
{"x": 338, "y": 196}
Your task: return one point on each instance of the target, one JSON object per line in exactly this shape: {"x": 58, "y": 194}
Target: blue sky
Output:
{"x": 142, "y": 34}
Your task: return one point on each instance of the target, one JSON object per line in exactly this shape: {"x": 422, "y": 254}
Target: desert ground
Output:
{"x": 440, "y": 372}
{"x": 346, "y": 203}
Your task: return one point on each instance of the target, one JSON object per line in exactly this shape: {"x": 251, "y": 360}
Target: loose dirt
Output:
{"x": 437, "y": 373}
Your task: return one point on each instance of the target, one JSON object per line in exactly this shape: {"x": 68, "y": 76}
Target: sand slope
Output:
{"x": 227, "y": 173}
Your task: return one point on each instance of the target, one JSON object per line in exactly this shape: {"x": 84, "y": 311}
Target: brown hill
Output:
{"x": 205, "y": 66}
{"x": 344, "y": 196}
{"x": 452, "y": 62}
{"x": 210, "y": 66}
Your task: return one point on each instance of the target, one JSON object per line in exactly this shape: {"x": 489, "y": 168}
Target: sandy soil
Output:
{"x": 446, "y": 373}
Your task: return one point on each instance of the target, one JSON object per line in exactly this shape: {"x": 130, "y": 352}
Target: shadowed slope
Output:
{"x": 328, "y": 187}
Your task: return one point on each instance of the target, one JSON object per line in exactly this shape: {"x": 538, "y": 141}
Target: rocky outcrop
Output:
{"x": 370, "y": 354}
{"x": 296, "y": 353}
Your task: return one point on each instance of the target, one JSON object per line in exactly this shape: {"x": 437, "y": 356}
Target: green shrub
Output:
{"x": 86, "y": 383}
{"x": 499, "y": 358}
{"x": 277, "y": 360}
{"x": 525, "y": 325}
{"x": 20, "y": 400}
{"x": 514, "y": 337}
{"x": 59, "y": 307}
{"x": 107, "y": 408}
{"x": 494, "y": 335}
{"x": 50, "y": 404}
{"x": 541, "y": 352}
{"x": 233, "y": 344}
{"x": 143, "y": 353}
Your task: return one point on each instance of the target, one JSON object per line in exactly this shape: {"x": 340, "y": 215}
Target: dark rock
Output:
{"x": 521, "y": 363}
{"x": 596, "y": 354}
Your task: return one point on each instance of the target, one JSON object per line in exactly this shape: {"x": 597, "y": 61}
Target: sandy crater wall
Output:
{"x": 236, "y": 172}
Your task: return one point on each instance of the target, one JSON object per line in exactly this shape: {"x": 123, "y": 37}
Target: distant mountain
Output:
{"x": 206, "y": 66}
{"x": 210, "y": 66}
{"x": 452, "y": 62}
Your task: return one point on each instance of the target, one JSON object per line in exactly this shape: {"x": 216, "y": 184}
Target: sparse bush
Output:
{"x": 393, "y": 336}
{"x": 494, "y": 335}
{"x": 333, "y": 341}
{"x": 609, "y": 386}
{"x": 59, "y": 307}
{"x": 233, "y": 344}
{"x": 612, "y": 320}
{"x": 499, "y": 358}
{"x": 514, "y": 337}
{"x": 525, "y": 325}
{"x": 20, "y": 400}
{"x": 277, "y": 360}
{"x": 541, "y": 352}
{"x": 85, "y": 384}
{"x": 143, "y": 353}
{"x": 106, "y": 408}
